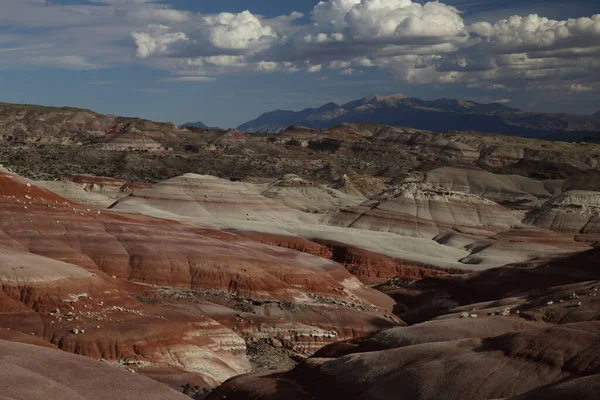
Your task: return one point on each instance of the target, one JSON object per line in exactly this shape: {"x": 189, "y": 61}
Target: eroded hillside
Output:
{"x": 351, "y": 259}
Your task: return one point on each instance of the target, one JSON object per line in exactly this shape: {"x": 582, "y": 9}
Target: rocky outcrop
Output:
{"x": 513, "y": 190}
{"x": 421, "y": 210}
{"x": 130, "y": 140}
{"x": 160, "y": 295}
{"x": 230, "y": 139}
{"x": 531, "y": 339}
{"x": 206, "y": 197}
{"x": 299, "y": 194}
{"x": 360, "y": 185}
{"x": 90, "y": 190}
{"x": 197, "y": 279}
{"x": 512, "y": 246}
{"x": 521, "y": 361}
{"x": 374, "y": 268}
{"x": 32, "y": 124}
{"x": 573, "y": 212}
{"x": 468, "y": 231}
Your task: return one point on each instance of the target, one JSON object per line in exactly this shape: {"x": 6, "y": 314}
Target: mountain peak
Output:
{"x": 397, "y": 96}
{"x": 198, "y": 124}
{"x": 435, "y": 115}
{"x": 376, "y": 98}
{"x": 373, "y": 98}
{"x": 328, "y": 107}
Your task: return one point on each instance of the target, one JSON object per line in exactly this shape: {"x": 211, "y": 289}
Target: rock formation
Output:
{"x": 502, "y": 331}
{"x": 574, "y": 212}
{"x": 356, "y": 258}
{"x": 92, "y": 282}
{"x": 421, "y": 210}
{"x": 299, "y": 194}
{"x": 514, "y": 190}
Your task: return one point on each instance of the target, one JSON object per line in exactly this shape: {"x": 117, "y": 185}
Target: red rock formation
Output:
{"x": 21, "y": 190}
{"x": 374, "y": 268}
{"x": 66, "y": 271}
{"x": 289, "y": 242}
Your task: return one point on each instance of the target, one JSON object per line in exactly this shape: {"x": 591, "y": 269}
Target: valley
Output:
{"x": 342, "y": 262}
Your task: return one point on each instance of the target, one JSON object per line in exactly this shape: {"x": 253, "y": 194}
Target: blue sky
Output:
{"x": 225, "y": 62}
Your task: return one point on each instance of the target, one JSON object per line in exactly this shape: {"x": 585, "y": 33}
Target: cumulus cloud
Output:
{"x": 419, "y": 69}
{"x": 529, "y": 48}
{"x": 419, "y": 42}
{"x": 388, "y": 21}
{"x": 266, "y": 66}
{"x": 518, "y": 34}
{"x": 332, "y": 14}
{"x": 403, "y": 19}
{"x": 156, "y": 39}
{"x": 238, "y": 31}
{"x": 295, "y": 15}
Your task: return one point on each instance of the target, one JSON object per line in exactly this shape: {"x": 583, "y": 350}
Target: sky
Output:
{"x": 226, "y": 62}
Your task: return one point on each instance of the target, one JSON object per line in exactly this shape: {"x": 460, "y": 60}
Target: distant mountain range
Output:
{"x": 597, "y": 114}
{"x": 201, "y": 125}
{"x": 435, "y": 115}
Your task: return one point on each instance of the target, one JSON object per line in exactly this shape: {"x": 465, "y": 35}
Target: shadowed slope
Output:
{"x": 32, "y": 372}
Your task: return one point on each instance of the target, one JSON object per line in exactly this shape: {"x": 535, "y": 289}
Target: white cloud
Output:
{"x": 266, "y": 66}
{"x": 191, "y": 79}
{"x": 314, "y": 68}
{"x": 404, "y": 19}
{"x": 340, "y": 64}
{"x": 388, "y": 21}
{"x": 365, "y": 62}
{"x": 295, "y": 15}
{"x": 533, "y": 32}
{"x": 419, "y": 42}
{"x": 578, "y": 87}
{"x": 239, "y": 31}
{"x": 224, "y": 60}
{"x": 156, "y": 39}
{"x": 332, "y": 14}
